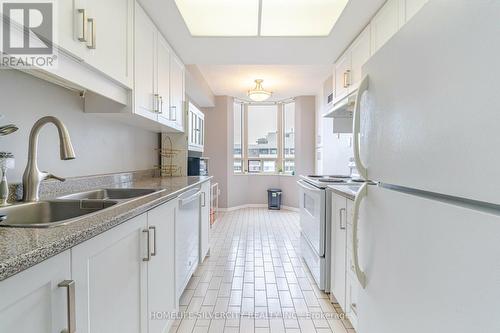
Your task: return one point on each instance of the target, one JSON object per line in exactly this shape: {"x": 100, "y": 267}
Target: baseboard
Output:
{"x": 231, "y": 209}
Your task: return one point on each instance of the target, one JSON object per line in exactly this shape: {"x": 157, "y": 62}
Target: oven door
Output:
{"x": 312, "y": 216}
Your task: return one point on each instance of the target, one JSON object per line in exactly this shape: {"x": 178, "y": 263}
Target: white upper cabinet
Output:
{"x": 196, "y": 125}
{"x": 159, "y": 77}
{"x": 163, "y": 79}
{"x": 177, "y": 75}
{"x": 145, "y": 65}
{"x": 386, "y": 23}
{"x": 360, "y": 53}
{"x": 35, "y": 300}
{"x": 110, "y": 38}
{"x": 72, "y": 17}
{"x": 342, "y": 76}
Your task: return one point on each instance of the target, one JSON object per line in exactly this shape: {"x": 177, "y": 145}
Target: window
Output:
{"x": 264, "y": 138}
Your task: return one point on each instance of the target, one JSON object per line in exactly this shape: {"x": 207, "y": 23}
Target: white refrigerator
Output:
{"x": 427, "y": 132}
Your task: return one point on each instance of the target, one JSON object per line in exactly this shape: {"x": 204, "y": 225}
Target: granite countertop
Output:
{"x": 348, "y": 191}
{"x": 21, "y": 248}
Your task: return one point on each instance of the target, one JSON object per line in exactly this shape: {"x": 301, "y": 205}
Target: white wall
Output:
{"x": 238, "y": 190}
{"x": 101, "y": 145}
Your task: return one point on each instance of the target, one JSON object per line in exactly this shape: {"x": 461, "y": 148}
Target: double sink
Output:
{"x": 63, "y": 210}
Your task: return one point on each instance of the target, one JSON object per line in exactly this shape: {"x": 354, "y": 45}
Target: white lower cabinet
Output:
{"x": 205, "y": 220}
{"x": 339, "y": 249}
{"x": 32, "y": 300}
{"x": 161, "y": 273}
{"x": 344, "y": 284}
{"x": 110, "y": 277}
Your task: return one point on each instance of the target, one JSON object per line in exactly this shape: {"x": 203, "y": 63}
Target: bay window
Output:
{"x": 264, "y": 138}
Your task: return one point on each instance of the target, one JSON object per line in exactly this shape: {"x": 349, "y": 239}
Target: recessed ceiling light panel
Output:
{"x": 220, "y": 17}
{"x": 300, "y": 17}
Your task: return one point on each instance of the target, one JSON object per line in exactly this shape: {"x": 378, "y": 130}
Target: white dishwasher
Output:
{"x": 187, "y": 226}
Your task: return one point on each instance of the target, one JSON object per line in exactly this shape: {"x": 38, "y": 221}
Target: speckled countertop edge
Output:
{"x": 22, "y": 248}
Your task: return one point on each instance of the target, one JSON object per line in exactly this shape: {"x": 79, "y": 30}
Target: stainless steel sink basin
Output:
{"x": 112, "y": 194}
{"x": 46, "y": 214}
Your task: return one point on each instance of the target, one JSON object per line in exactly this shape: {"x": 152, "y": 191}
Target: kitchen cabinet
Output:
{"x": 110, "y": 41}
{"x": 386, "y": 23}
{"x": 110, "y": 274}
{"x": 342, "y": 76}
{"x": 339, "y": 249}
{"x": 177, "y": 93}
{"x": 161, "y": 275}
{"x": 205, "y": 220}
{"x": 348, "y": 67}
{"x": 196, "y": 125}
{"x": 159, "y": 76}
{"x": 352, "y": 284}
{"x": 35, "y": 300}
{"x": 145, "y": 65}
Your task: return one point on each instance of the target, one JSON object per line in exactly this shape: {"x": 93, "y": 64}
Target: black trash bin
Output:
{"x": 274, "y": 198}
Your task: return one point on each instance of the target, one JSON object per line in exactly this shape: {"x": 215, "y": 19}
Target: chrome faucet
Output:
{"x": 32, "y": 176}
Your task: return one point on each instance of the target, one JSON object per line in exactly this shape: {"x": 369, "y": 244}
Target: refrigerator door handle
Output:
{"x": 363, "y": 172}
{"x": 363, "y": 191}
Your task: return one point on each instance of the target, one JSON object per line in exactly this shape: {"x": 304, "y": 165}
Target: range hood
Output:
{"x": 343, "y": 108}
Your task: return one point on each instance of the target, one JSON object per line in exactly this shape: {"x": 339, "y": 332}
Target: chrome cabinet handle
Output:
{"x": 156, "y": 103}
{"x": 83, "y": 36}
{"x": 346, "y": 78}
{"x": 148, "y": 244}
{"x": 154, "y": 240}
{"x": 175, "y": 112}
{"x": 204, "y": 202}
{"x": 70, "y": 292}
{"x": 363, "y": 172}
{"x": 92, "y": 44}
{"x": 160, "y": 98}
{"x": 355, "y": 217}
{"x": 342, "y": 225}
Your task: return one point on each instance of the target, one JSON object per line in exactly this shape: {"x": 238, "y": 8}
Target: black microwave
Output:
{"x": 197, "y": 166}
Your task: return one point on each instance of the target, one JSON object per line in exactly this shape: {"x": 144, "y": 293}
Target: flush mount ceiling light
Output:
{"x": 260, "y": 17}
{"x": 258, "y": 94}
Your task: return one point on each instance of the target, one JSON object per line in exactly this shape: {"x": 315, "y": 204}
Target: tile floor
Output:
{"x": 255, "y": 281}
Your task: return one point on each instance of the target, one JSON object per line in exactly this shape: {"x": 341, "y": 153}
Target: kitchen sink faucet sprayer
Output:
{"x": 32, "y": 176}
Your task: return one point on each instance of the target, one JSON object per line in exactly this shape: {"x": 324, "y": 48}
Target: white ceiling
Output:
{"x": 283, "y": 80}
{"x": 290, "y": 66}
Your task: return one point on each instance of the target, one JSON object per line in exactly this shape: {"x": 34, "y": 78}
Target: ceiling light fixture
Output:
{"x": 258, "y": 94}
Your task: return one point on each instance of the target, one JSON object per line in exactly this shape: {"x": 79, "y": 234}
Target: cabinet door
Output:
{"x": 71, "y": 15}
{"x": 111, "y": 279}
{"x": 342, "y": 75}
{"x": 177, "y": 92}
{"x": 145, "y": 65}
{"x": 163, "y": 77}
{"x": 32, "y": 301}
{"x": 412, "y": 7}
{"x": 360, "y": 53}
{"x": 352, "y": 284}
{"x": 385, "y": 24}
{"x": 205, "y": 221}
{"x": 161, "y": 272}
{"x": 339, "y": 254}
{"x": 111, "y": 49}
